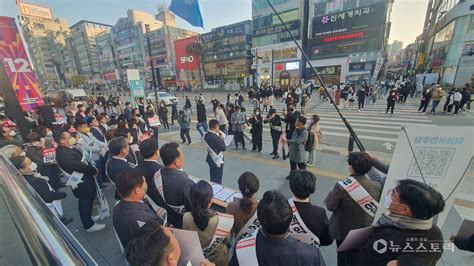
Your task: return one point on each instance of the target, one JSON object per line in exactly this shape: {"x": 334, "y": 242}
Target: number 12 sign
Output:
{"x": 14, "y": 58}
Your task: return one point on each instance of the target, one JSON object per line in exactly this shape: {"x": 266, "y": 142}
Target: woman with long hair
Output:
{"x": 316, "y": 134}
{"x": 244, "y": 208}
{"x": 213, "y": 228}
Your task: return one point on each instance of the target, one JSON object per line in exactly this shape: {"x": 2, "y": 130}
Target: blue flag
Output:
{"x": 188, "y": 10}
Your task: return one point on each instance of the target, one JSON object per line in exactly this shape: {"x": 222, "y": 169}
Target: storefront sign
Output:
{"x": 17, "y": 65}
{"x": 348, "y": 21}
{"x": 35, "y": 11}
{"x": 224, "y": 33}
{"x": 277, "y": 29}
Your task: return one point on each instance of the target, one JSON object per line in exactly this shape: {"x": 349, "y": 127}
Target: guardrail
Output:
{"x": 46, "y": 240}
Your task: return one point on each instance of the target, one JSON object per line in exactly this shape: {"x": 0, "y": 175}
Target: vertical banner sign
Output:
{"x": 136, "y": 84}
{"x": 443, "y": 156}
{"x": 17, "y": 65}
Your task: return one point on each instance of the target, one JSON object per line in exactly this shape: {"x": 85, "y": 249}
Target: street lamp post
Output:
{"x": 147, "y": 28}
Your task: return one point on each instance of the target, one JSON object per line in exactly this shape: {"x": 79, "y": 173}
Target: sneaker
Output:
{"x": 310, "y": 164}
{"x": 95, "y": 228}
{"x": 95, "y": 218}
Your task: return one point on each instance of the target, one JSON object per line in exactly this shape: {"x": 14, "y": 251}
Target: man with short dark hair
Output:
{"x": 296, "y": 144}
{"x": 118, "y": 148}
{"x": 173, "y": 183}
{"x": 408, "y": 222}
{"x": 214, "y": 140}
{"x": 151, "y": 152}
{"x": 131, "y": 212}
{"x": 272, "y": 245}
{"x": 127, "y": 112}
{"x": 349, "y": 210}
{"x": 302, "y": 185}
{"x": 80, "y": 115}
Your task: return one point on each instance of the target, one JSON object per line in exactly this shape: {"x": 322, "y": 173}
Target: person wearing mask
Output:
{"x": 71, "y": 160}
{"x": 314, "y": 132}
{"x": 297, "y": 143}
{"x": 466, "y": 98}
{"x": 174, "y": 112}
{"x": 214, "y": 140}
{"x": 127, "y": 112}
{"x": 50, "y": 196}
{"x": 271, "y": 244}
{"x": 411, "y": 206}
{"x": 348, "y": 211}
{"x": 187, "y": 105}
{"x": 437, "y": 96}
{"x": 185, "y": 124}
{"x": 391, "y": 100}
{"x": 274, "y": 120}
{"x": 457, "y": 99}
{"x": 238, "y": 126}
{"x": 221, "y": 117}
{"x": 134, "y": 156}
{"x": 151, "y": 154}
{"x": 9, "y": 136}
{"x": 173, "y": 183}
{"x": 91, "y": 147}
{"x": 302, "y": 185}
{"x": 117, "y": 163}
{"x": 132, "y": 210}
{"x": 80, "y": 115}
{"x": 257, "y": 130}
{"x": 201, "y": 125}
{"x": 12, "y": 151}
{"x": 244, "y": 209}
{"x": 163, "y": 114}
{"x": 213, "y": 228}
{"x": 425, "y": 100}
{"x": 155, "y": 245}
{"x": 290, "y": 120}
{"x": 152, "y": 120}
{"x": 361, "y": 98}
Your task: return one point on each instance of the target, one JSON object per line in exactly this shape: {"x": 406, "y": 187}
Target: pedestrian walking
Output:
{"x": 391, "y": 100}
{"x": 274, "y": 121}
{"x": 185, "y": 124}
{"x": 238, "y": 126}
{"x": 361, "y": 98}
{"x": 437, "y": 95}
{"x": 163, "y": 114}
{"x": 201, "y": 125}
{"x": 424, "y": 100}
{"x": 314, "y": 136}
{"x": 187, "y": 105}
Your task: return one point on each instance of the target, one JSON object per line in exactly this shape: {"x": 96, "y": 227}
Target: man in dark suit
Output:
{"x": 127, "y": 112}
{"x": 80, "y": 114}
{"x": 214, "y": 139}
{"x": 95, "y": 129}
{"x": 149, "y": 166}
{"x": 290, "y": 120}
{"x": 117, "y": 163}
{"x": 70, "y": 159}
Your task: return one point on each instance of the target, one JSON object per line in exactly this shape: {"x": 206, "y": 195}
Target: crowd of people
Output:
{"x": 107, "y": 146}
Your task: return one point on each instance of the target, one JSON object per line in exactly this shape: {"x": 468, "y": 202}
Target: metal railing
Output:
{"x": 46, "y": 240}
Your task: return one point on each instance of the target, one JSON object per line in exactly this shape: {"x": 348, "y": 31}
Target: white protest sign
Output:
{"x": 443, "y": 154}
{"x": 190, "y": 246}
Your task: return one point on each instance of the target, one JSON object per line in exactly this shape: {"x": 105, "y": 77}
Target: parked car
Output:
{"x": 162, "y": 96}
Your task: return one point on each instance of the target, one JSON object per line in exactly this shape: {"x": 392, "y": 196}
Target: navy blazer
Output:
{"x": 114, "y": 167}
{"x": 97, "y": 133}
{"x": 217, "y": 144}
{"x": 150, "y": 168}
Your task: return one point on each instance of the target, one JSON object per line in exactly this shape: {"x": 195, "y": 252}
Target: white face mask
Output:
{"x": 33, "y": 166}
{"x": 130, "y": 141}
{"x": 388, "y": 200}
{"x": 12, "y": 133}
{"x": 49, "y": 133}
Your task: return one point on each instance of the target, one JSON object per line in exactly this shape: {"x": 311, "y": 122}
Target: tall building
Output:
{"x": 107, "y": 57}
{"x": 394, "y": 49}
{"x": 227, "y": 56}
{"x": 449, "y": 41}
{"x": 347, "y": 38}
{"x": 46, "y": 41}
{"x": 273, "y": 50}
{"x": 83, "y": 41}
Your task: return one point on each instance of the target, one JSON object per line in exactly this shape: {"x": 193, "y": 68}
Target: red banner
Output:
{"x": 184, "y": 60}
{"x": 15, "y": 60}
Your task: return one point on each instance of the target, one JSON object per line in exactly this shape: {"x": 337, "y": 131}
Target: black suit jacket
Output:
{"x": 150, "y": 168}
{"x": 290, "y": 121}
{"x": 41, "y": 187}
{"x": 216, "y": 144}
{"x": 70, "y": 160}
{"x": 114, "y": 167}
{"x": 97, "y": 133}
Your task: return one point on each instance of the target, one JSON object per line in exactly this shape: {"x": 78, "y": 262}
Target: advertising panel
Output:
{"x": 17, "y": 65}
{"x": 350, "y": 20}
{"x": 224, "y": 33}
{"x": 35, "y": 11}
{"x": 184, "y": 59}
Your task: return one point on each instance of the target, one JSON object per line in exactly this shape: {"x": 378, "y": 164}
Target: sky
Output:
{"x": 407, "y": 16}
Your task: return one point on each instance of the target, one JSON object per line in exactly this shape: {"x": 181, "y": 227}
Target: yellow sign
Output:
{"x": 35, "y": 11}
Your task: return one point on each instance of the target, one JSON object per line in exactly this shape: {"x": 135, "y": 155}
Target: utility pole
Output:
{"x": 147, "y": 28}
{"x": 304, "y": 39}
{"x": 273, "y": 70}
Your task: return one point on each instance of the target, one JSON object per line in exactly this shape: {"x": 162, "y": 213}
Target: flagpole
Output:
{"x": 352, "y": 133}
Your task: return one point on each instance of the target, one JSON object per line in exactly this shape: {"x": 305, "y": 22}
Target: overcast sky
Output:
{"x": 407, "y": 15}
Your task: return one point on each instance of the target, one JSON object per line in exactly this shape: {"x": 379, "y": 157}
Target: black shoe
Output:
{"x": 66, "y": 220}
{"x": 276, "y": 157}
{"x": 183, "y": 142}
{"x": 236, "y": 148}
{"x": 254, "y": 150}
{"x": 243, "y": 148}
{"x": 284, "y": 157}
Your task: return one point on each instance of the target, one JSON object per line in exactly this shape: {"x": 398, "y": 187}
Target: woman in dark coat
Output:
{"x": 163, "y": 114}
{"x": 257, "y": 129}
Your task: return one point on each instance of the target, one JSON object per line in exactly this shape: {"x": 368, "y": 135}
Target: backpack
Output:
{"x": 309, "y": 146}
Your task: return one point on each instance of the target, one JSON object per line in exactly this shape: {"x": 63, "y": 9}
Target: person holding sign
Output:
{"x": 214, "y": 139}
{"x": 307, "y": 215}
{"x": 72, "y": 162}
{"x": 271, "y": 244}
{"x": 213, "y": 228}
{"x": 132, "y": 211}
{"x": 353, "y": 201}
{"x": 406, "y": 228}
{"x": 244, "y": 209}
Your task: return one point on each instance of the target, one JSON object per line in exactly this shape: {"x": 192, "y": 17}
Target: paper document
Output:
{"x": 188, "y": 241}
{"x": 228, "y": 140}
{"x": 224, "y": 194}
{"x": 236, "y": 195}
{"x": 216, "y": 188}
{"x": 355, "y": 238}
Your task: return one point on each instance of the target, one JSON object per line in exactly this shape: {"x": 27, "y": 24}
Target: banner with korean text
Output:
{"x": 17, "y": 65}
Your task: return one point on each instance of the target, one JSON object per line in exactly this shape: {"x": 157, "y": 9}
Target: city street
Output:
{"x": 374, "y": 127}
